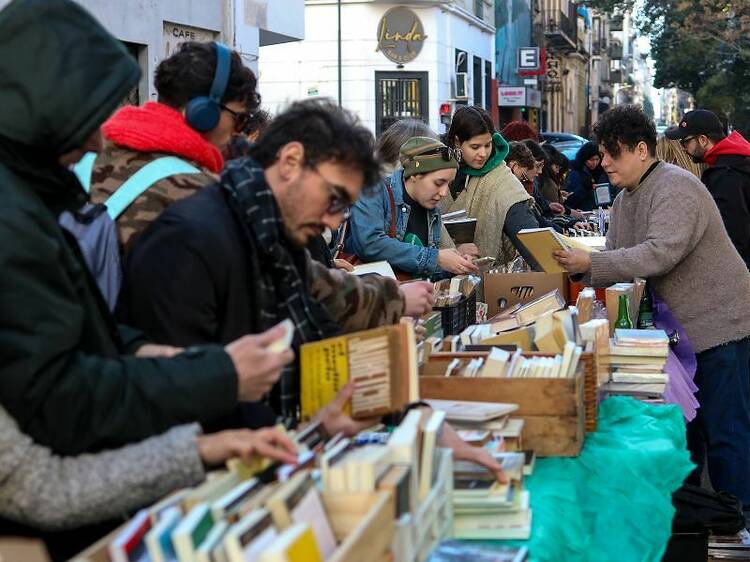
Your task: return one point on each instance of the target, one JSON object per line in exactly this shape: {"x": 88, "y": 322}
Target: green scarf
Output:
{"x": 499, "y": 152}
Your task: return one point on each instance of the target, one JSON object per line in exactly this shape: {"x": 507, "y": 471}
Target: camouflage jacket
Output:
{"x": 116, "y": 164}
{"x": 356, "y": 303}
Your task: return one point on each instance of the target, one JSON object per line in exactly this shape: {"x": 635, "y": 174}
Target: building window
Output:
{"x": 477, "y": 80}
{"x": 138, "y": 52}
{"x": 479, "y": 8}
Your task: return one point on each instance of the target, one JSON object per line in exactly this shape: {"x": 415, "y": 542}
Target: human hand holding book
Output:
{"x": 335, "y": 420}
{"x": 573, "y": 261}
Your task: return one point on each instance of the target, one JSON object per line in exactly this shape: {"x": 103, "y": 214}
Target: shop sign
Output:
{"x": 533, "y": 98}
{"x": 176, "y": 34}
{"x": 510, "y": 96}
{"x": 400, "y": 35}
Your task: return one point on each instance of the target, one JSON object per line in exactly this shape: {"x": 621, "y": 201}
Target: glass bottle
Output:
{"x": 623, "y": 315}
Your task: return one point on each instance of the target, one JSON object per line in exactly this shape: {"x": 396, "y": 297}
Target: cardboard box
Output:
{"x": 504, "y": 290}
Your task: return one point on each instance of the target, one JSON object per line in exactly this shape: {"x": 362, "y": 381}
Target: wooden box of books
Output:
{"x": 505, "y": 290}
{"x": 554, "y": 410}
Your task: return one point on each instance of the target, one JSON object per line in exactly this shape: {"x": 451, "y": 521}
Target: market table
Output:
{"x": 614, "y": 501}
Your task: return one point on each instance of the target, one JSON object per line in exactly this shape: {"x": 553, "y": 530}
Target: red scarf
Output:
{"x": 156, "y": 127}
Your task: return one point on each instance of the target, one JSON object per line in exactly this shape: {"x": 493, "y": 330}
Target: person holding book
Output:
{"x": 666, "y": 228}
{"x": 401, "y": 222}
{"x": 585, "y": 172}
{"x": 486, "y": 188}
{"x": 73, "y": 379}
{"x": 248, "y": 269}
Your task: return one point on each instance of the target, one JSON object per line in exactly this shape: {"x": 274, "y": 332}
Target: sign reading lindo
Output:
{"x": 400, "y": 35}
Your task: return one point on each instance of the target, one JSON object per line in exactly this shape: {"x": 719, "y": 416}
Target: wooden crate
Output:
{"x": 362, "y": 522}
{"x": 556, "y": 412}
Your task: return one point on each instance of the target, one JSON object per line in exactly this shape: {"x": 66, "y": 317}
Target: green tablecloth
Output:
{"x": 613, "y": 501}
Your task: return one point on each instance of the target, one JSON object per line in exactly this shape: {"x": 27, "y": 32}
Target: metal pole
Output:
{"x": 339, "y": 49}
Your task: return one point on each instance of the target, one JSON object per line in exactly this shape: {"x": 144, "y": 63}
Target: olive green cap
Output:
{"x": 422, "y": 155}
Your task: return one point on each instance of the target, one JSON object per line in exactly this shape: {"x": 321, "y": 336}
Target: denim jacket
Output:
{"x": 371, "y": 220}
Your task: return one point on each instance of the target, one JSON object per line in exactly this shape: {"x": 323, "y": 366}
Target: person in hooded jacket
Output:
{"x": 585, "y": 172}
{"x": 72, "y": 378}
{"x": 727, "y": 177}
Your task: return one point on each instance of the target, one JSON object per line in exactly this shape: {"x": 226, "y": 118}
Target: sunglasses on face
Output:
{"x": 686, "y": 140}
{"x": 446, "y": 153}
{"x": 240, "y": 118}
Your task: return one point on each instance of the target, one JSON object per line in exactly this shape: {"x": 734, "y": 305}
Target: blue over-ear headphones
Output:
{"x": 203, "y": 113}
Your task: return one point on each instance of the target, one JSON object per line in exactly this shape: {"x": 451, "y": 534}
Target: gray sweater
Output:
{"x": 45, "y": 491}
{"x": 669, "y": 231}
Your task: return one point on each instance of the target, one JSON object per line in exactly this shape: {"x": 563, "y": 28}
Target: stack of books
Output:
{"x": 485, "y": 509}
{"x": 636, "y": 359}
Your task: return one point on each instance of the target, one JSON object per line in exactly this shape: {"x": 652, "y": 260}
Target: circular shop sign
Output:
{"x": 400, "y": 35}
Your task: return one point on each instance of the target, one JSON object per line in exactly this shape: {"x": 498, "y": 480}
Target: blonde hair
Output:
{"x": 671, "y": 151}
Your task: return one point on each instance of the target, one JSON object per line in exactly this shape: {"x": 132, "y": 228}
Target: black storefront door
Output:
{"x": 399, "y": 95}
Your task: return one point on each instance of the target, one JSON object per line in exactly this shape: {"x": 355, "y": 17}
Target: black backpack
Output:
{"x": 701, "y": 510}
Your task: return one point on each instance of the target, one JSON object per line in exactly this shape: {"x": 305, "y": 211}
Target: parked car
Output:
{"x": 567, "y": 143}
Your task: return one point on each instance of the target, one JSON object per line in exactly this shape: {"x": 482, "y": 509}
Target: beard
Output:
{"x": 697, "y": 159}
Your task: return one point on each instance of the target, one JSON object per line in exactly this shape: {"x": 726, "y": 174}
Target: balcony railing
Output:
{"x": 560, "y": 29}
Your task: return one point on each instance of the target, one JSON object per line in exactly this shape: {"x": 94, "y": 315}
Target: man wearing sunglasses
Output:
{"x": 205, "y": 96}
{"x": 727, "y": 177}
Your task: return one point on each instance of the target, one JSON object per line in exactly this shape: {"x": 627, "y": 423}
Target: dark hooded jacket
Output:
{"x": 728, "y": 180}
{"x": 65, "y": 371}
{"x": 580, "y": 181}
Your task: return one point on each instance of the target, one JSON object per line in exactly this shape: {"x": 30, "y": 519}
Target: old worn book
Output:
{"x": 543, "y": 242}
{"x": 428, "y": 463}
{"x": 295, "y": 544}
{"x": 208, "y": 551}
{"x": 462, "y": 230}
{"x": 159, "y": 538}
{"x": 529, "y": 312}
{"x": 298, "y": 501}
{"x": 521, "y": 337}
{"x": 242, "y": 499}
{"x": 404, "y": 444}
{"x": 641, "y": 338}
{"x": 250, "y": 536}
{"x": 129, "y": 544}
{"x": 211, "y": 490}
{"x": 465, "y": 411}
{"x": 617, "y": 350}
{"x": 397, "y": 480}
{"x": 585, "y": 304}
{"x": 382, "y": 363}
{"x": 642, "y": 377}
{"x": 192, "y": 531}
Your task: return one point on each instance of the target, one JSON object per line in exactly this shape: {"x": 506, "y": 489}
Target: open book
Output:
{"x": 542, "y": 242}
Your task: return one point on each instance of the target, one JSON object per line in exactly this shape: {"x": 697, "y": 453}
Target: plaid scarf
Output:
{"x": 281, "y": 275}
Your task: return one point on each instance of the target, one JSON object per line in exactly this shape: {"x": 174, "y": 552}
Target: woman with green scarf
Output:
{"x": 486, "y": 187}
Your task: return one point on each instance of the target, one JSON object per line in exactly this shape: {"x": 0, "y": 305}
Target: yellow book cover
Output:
{"x": 381, "y": 362}
{"x": 542, "y": 242}
{"x": 296, "y": 544}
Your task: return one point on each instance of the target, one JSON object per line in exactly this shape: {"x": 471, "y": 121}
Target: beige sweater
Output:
{"x": 488, "y": 198}
{"x": 669, "y": 230}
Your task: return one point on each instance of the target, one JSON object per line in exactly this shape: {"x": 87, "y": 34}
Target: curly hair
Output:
{"x": 327, "y": 132}
{"x": 625, "y": 125}
{"x": 521, "y": 155}
{"x": 189, "y": 73}
{"x": 519, "y": 131}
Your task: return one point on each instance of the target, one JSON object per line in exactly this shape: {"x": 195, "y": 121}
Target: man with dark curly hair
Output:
{"x": 666, "y": 227}
{"x": 137, "y": 136}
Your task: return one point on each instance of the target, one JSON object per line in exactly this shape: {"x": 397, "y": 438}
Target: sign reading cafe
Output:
{"x": 400, "y": 35}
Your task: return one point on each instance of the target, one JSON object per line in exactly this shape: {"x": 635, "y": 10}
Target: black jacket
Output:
{"x": 65, "y": 373}
{"x": 728, "y": 181}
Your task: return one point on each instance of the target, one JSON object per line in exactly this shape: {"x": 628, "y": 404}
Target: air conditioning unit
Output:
{"x": 462, "y": 86}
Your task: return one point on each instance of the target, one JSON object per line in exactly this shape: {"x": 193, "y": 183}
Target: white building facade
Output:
{"x": 153, "y": 29}
{"x": 444, "y": 53}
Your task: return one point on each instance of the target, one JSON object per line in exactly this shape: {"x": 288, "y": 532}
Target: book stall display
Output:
{"x": 526, "y": 384}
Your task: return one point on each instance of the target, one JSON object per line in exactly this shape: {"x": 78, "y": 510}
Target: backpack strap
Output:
{"x": 392, "y": 203}
{"x": 144, "y": 178}
{"x": 84, "y": 168}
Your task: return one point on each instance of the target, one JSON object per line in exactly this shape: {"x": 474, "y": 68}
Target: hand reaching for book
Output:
{"x": 257, "y": 367}
{"x": 335, "y": 420}
{"x": 217, "y": 448}
{"x": 451, "y": 260}
{"x": 465, "y": 452}
{"x": 419, "y": 298}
